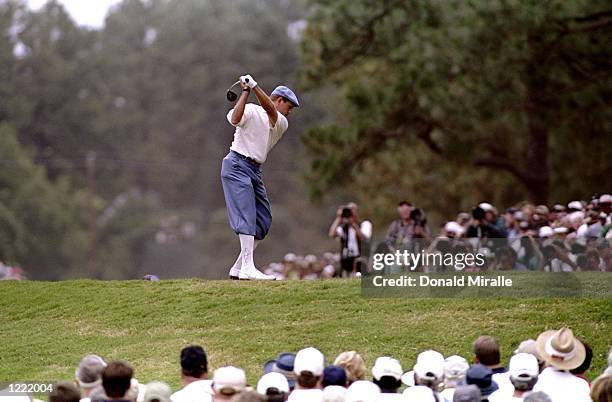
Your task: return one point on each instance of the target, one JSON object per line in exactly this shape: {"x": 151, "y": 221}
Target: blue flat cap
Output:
{"x": 286, "y": 93}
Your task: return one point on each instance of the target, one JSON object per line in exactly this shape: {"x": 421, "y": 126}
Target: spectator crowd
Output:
{"x": 524, "y": 237}
{"x": 551, "y": 368}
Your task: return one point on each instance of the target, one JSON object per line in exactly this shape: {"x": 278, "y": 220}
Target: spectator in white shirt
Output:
{"x": 387, "y": 373}
{"x": 308, "y": 366}
{"x": 562, "y": 352}
{"x": 524, "y": 371}
{"x": 194, "y": 376}
{"x": 89, "y": 375}
{"x": 228, "y": 382}
{"x": 362, "y": 391}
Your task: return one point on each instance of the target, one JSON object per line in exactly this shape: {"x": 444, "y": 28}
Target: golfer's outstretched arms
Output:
{"x": 239, "y": 107}
{"x": 265, "y": 102}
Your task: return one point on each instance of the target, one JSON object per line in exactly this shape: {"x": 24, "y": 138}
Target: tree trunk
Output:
{"x": 536, "y": 155}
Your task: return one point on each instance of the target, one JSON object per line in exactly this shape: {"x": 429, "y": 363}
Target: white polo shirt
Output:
{"x": 254, "y": 137}
{"x": 306, "y": 395}
{"x": 197, "y": 391}
{"x": 562, "y": 386}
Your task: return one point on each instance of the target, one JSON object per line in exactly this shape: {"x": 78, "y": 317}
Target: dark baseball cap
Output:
{"x": 482, "y": 377}
{"x": 193, "y": 361}
{"x": 334, "y": 375}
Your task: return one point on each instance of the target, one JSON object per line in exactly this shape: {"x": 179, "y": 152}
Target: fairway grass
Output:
{"x": 47, "y": 327}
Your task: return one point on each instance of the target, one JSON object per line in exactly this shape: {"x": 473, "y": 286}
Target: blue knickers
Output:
{"x": 248, "y": 208}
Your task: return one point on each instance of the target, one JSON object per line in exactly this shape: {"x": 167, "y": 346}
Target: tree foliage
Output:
{"x": 134, "y": 115}
{"x": 501, "y": 99}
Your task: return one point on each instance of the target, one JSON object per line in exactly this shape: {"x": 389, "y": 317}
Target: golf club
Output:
{"x": 231, "y": 95}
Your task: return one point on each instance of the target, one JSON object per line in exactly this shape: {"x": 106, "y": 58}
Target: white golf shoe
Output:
{"x": 234, "y": 273}
{"x": 252, "y": 273}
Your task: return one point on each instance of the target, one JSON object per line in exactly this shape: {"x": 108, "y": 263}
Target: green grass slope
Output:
{"x": 46, "y": 327}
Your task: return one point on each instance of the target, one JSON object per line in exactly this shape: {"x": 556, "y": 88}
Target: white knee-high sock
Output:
{"x": 238, "y": 264}
{"x": 247, "y": 245}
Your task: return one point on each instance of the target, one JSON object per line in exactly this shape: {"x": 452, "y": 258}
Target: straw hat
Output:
{"x": 561, "y": 349}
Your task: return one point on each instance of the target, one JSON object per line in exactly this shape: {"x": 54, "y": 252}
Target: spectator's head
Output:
{"x": 586, "y": 363}
{"x": 524, "y": 371}
{"x": 429, "y": 369}
{"x": 481, "y": 376}
{"x": 605, "y": 203}
{"x": 536, "y": 397}
{"x": 157, "y": 391}
{"x": 530, "y": 346}
{"x": 506, "y": 257}
{"x": 561, "y": 349}
{"x": 274, "y": 386}
{"x": 463, "y": 218}
{"x": 117, "y": 379}
{"x": 592, "y": 260}
{"x": 601, "y": 389}
{"x": 65, "y": 392}
{"x": 193, "y": 362}
{"x": 419, "y": 393}
{"x": 486, "y": 351}
{"x": 490, "y": 213}
{"x": 455, "y": 368}
{"x": 467, "y": 393}
{"x": 453, "y": 230}
{"x": 308, "y": 367}
{"x": 354, "y": 365}
{"x": 354, "y": 208}
{"x": 283, "y": 364}
{"x": 228, "y": 382}
{"x": 403, "y": 209}
{"x": 249, "y": 396}
{"x": 362, "y": 391}
{"x": 89, "y": 373}
{"x": 334, "y": 393}
{"x": 334, "y": 375}
{"x": 387, "y": 373}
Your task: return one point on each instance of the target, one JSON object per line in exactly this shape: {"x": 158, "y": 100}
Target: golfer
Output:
{"x": 258, "y": 129}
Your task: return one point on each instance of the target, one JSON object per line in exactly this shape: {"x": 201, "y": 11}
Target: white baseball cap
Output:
{"x": 575, "y": 205}
{"x": 362, "y": 391}
{"x": 419, "y": 393}
{"x": 523, "y": 366}
{"x": 387, "y": 366}
{"x": 309, "y": 359}
{"x": 228, "y": 380}
{"x": 546, "y": 231}
{"x": 486, "y": 206}
{"x": 272, "y": 380}
{"x": 334, "y": 393}
{"x": 429, "y": 365}
{"x": 605, "y": 198}
{"x": 454, "y": 227}
{"x": 455, "y": 367}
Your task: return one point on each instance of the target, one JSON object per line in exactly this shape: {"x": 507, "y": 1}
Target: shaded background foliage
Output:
{"x": 111, "y": 139}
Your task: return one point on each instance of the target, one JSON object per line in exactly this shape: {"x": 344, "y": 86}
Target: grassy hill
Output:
{"x": 47, "y": 327}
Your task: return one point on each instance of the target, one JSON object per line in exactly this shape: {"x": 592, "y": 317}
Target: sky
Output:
{"x": 90, "y": 13}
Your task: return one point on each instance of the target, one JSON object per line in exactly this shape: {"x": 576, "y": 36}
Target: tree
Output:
{"x": 41, "y": 222}
{"x": 514, "y": 92}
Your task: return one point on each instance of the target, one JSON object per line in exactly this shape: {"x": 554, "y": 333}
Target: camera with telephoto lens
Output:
{"x": 478, "y": 213}
{"x": 346, "y": 213}
{"x": 418, "y": 217}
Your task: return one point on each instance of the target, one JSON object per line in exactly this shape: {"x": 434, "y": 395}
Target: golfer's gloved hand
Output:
{"x": 247, "y": 79}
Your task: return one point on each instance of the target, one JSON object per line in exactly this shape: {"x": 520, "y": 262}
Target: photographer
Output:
{"x": 482, "y": 228}
{"x": 351, "y": 234}
{"x": 411, "y": 224}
